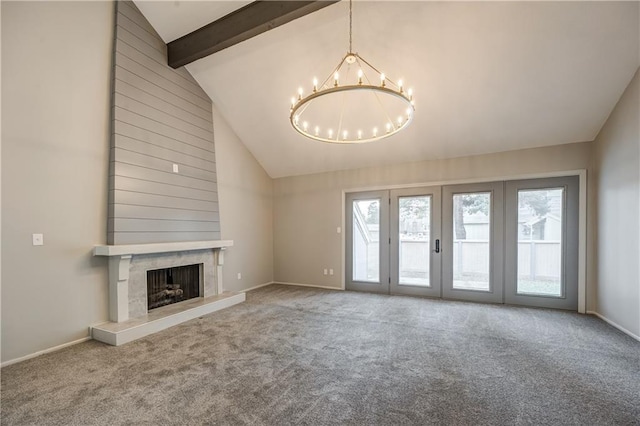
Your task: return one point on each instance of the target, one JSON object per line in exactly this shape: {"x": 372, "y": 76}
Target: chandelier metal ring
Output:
{"x": 393, "y": 127}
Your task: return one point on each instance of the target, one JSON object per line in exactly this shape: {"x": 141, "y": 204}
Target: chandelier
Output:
{"x": 356, "y": 103}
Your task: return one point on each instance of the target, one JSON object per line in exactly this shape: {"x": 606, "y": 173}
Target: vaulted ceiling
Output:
{"x": 487, "y": 76}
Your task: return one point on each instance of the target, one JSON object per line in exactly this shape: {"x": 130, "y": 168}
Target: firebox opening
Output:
{"x": 172, "y": 285}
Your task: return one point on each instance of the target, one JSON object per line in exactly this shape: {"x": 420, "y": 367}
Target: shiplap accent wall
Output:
{"x": 161, "y": 117}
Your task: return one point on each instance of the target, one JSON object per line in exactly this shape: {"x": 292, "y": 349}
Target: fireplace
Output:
{"x": 172, "y": 285}
{"x": 143, "y": 277}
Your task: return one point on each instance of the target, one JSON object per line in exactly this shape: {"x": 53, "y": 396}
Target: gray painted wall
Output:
{"x": 617, "y": 184}
{"x": 56, "y": 62}
{"x": 308, "y": 209}
{"x": 161, "y": 117}
{"x": 246, "y": 211}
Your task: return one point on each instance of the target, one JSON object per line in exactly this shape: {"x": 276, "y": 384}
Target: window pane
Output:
{"x": 366, "y": 240}
{"x": 540, "y": 242}
{"x": 414, "y": 236}
{"x": 471, "y": 241}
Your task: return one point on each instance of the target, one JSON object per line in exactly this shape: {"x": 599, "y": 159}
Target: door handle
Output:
{"x": 437, "y": 246}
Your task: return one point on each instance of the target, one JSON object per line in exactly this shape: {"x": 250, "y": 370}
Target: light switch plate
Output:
{"x": 38, "y": 239}
{"x": 175, "y": 168}
{"x": 330, "y": 271}
{"x": 338, "y": 230}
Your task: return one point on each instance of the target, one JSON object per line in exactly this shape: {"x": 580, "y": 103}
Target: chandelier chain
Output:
{"x": 350, "y": 26}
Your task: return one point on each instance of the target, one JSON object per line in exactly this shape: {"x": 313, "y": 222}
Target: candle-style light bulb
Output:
{"x": 305, "y": 125}
{"x": 360, "y": 76}
{"x": 295, "y": 119}
{"x": 335, "y": 78}
{"x": 315, "y": 84}
{"x": 388, "y": 127}
{"x": 408, "y": 112}
{"x": 359, "y": 134}
{"x": 400, "y": 120}
{"x": 400, "y": 85}
{"x": 344, "y": 135}
{"x": 317, "y": 130}
{"x": 330, "y": 133}
{"x": 410, "y": 93}
{"x": 382, "y": 80}
{"x": 375, "y": 132}
{"x": 300, "y": 93}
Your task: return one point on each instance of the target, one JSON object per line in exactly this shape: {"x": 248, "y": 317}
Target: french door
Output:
{"x": 367, "y": 226}
{"x": 415, "y": 242}
{"x": 472, "y": 242}
{"x": 510, "y": 242}
{"x": 541, "y": 227}
{"x": 393, "y": 241}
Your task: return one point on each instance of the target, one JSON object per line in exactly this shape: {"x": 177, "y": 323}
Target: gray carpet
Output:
{"x": 293, "y": 355}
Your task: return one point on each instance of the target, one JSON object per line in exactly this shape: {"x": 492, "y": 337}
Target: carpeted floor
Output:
{"x": 292, "y": 355}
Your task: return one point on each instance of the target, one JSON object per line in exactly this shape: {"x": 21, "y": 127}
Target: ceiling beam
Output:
{"x": 240, "y": 25}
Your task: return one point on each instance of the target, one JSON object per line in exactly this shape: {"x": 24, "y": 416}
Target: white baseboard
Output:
{"x": 613, "y": 324}
{"x": 45, "y": 351}
{"x": 309, "y": 285}
{"x": 256, "y": 287}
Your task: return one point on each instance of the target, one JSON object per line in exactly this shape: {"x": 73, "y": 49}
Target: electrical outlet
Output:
{"x": 330, "y": 271}
{"x": 38, "y": 239}
{"x": 325, "y": 271}
{"x": 175, "y": 168}
{"x": 338, "y": 230}
{"x": 239, "y": 276}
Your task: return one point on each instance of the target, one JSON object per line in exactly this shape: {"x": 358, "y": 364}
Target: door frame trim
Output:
{"x": 582, "y": 220}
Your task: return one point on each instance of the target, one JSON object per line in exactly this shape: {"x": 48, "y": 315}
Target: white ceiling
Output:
{"x": 487, "y": 76}
{"x": 173, "y": 19}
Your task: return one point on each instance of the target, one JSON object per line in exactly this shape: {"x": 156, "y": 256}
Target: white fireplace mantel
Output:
{"x": 130, "y": 249}
{"x": 120, "y": 263}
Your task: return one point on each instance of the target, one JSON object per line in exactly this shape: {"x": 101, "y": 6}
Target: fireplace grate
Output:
{"x": 172, "y": 285}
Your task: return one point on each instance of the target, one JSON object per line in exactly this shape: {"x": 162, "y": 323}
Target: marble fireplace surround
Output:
{"x": 128, "y": 266}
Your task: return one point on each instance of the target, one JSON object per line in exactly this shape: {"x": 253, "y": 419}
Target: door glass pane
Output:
{"x": 414, "y": 228}
{"x": 366, "y": 240}
{"x": 471, "y": 241}
{"x": 540, "y": 242}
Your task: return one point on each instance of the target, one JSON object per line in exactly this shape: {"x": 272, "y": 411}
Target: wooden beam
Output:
{"x": 240, "y": 25}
